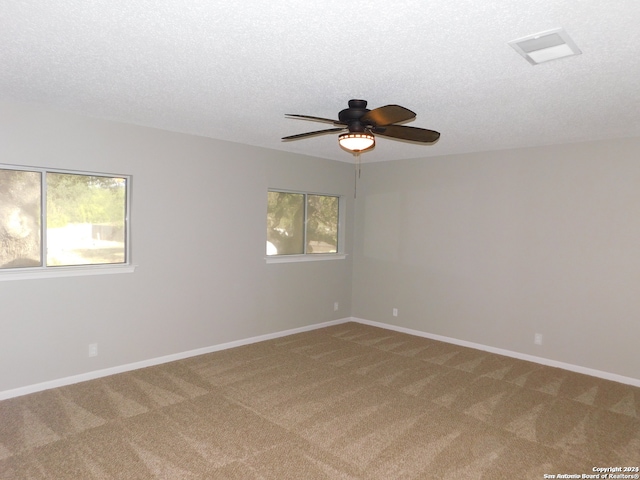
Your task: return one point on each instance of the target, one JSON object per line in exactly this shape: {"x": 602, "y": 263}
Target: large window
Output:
{"x": 51, "y": 219}
{"x": 302, "y": 223}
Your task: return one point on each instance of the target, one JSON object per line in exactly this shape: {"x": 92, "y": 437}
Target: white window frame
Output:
{"x": 44, "y": 271}
{"x": 314, "y": 257}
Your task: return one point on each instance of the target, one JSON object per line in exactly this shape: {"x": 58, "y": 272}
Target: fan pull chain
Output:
{"x": 356, "y": 174}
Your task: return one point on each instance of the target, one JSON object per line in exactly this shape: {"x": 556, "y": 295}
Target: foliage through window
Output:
{"x": 302, "y": 223}
{"x": 52, "y": 218}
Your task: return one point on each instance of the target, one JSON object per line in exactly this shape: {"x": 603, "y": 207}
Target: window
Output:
{"x": 51, "y": 219}
{"x": 302, "y": 224}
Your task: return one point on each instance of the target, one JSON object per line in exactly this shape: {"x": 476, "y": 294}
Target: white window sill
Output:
{"x": 50, "y": 272}
{"x": 304, "y": 258}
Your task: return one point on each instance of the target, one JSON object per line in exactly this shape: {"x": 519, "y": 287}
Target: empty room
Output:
{"x": 280, "y": 240}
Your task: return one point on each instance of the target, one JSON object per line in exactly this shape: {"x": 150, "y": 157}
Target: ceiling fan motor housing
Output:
{"x": 351, "y": 116}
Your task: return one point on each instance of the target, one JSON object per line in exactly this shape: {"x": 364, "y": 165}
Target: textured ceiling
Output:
{"x": 231, "y": 70}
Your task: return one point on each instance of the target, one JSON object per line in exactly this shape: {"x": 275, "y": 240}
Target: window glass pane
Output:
{"x": 20, "y": 219}
{"x": 285, "y": 223}
{"x": 85, "y": 219}
{"x": 322, "y": 224}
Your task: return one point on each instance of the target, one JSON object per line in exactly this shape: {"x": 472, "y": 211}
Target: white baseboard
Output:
{"x": 83, "y": 377}
{"x": 61, "y": 382}
{"x": 508, "y": 353}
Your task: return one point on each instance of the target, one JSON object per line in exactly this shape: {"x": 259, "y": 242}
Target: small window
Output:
{"x": 302, "y": 223}
{"x": 52, "y": 219}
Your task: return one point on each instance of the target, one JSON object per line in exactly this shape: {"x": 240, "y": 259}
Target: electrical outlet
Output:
{"x": 335, "y": 306}
{"x": 537, "y": 339}
{"x": 395, "y": 312}
{"x": 93, "y": 349}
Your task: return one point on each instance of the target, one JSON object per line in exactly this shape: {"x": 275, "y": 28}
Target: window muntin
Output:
{"x": 62, "y": 219}
{"x": 301, "y": 223}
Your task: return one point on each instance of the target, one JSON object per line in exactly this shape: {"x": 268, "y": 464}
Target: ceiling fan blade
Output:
{"x": 412, "y": 134}
{"x": 387, "y": 115}
{"x": 311, "y": 134}
{"x": 315, "y": 119}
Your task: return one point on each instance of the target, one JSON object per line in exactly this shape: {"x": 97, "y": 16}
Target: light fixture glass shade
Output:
{"x": 356, "y": 142}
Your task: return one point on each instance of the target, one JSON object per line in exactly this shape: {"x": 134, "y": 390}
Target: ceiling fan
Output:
{"x": 360, "y": 124}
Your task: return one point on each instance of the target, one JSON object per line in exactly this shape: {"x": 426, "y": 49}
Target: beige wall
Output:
{"x": 492, "y": 248}
{"x": 198, "y": 235}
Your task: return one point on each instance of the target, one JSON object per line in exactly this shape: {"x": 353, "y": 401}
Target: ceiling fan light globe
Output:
{"x": 357, "y": 142}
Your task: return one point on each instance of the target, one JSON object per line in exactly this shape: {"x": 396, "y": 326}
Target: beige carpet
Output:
{"x": 344, "y": 402}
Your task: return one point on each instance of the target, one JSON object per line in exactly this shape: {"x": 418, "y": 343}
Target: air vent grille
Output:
{"x": 545, "y": 46}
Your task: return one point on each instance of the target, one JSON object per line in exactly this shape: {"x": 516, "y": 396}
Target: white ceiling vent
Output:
{"x": 545, "y": 46}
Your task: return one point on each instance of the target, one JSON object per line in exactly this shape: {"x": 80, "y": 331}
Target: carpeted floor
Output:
{"x": 344, "y": 402}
